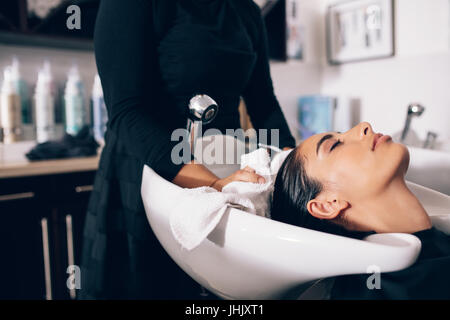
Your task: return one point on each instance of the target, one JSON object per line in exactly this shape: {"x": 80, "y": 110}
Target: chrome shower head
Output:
{"x": 202, "y": 108}
{"x": 415, "y": 109}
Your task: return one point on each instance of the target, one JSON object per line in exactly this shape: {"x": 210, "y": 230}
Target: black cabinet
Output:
{"x": 23, "y": 254}
{"x": 44, "y": 23}
{"x": 41, "y": 233}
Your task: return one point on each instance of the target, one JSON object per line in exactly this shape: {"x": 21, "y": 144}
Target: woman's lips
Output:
{"x": 379, "y": 138}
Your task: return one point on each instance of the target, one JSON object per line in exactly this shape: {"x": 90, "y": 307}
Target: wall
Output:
{"x": 420, "y": 72}
{"x": 301, "y": 77}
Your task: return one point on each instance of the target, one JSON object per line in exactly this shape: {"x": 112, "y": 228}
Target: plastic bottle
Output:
{"x": 10, "y": 109}
{"x": 100, "y": 115}
{"x": 75, "y": 111}
{"x": 44, "y": 100}
{"x": 22, "y": 89}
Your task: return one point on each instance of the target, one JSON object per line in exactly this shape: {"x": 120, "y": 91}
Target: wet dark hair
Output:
{"x": 293, "y": 189}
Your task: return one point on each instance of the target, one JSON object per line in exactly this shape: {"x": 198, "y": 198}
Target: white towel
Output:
{"x": 260, "y": 194}
{"x": 199, "y": 211}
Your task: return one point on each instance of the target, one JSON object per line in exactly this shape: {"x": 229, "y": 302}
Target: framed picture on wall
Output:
{"x": 295, "y": 30}
{"x": 360, "y": 30}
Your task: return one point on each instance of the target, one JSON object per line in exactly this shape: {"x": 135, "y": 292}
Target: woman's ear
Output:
{"x": 326, "y": 209}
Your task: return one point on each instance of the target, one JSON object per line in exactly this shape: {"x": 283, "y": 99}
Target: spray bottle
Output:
{"x": 44, "y": 100}
{"x": 22, "y": 89}
{"x": 100, "y": 115}
{"x": 75, "y": 111}
{"x": 10, "y": 109}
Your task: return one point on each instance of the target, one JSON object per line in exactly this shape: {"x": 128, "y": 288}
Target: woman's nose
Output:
{"x": 360, "y": 131}
{"x": 364, "y": 130}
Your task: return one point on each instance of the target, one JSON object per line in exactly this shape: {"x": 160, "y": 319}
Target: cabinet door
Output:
{"x": 70, "y": 212}
{"x": 24, "y": 248}
{"x": 70, "y": 221}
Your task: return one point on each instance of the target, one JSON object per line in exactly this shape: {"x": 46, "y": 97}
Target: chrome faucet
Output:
{"x": 202, "y": 110}
{"x": 430, "y": 140}
{"x": 414, "y": 110}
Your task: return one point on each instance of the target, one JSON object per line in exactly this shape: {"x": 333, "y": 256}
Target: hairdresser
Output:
{"x": 152, "y": 57}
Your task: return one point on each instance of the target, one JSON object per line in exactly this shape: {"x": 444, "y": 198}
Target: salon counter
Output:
{"x": 43, "y": 206}
{"x": 13, "y": 163}
{"x": 24, "y": 168}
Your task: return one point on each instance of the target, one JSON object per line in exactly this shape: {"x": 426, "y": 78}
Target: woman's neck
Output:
{"x": 395, "y": 209}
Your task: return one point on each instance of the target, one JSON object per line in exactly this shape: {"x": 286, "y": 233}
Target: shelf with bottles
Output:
{"x": 45, "y": 111}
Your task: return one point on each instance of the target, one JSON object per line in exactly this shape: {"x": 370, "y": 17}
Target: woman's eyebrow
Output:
{"x": 322, "y": 140}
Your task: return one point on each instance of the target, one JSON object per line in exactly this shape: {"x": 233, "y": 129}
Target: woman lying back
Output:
{"x": 353, "y": 184}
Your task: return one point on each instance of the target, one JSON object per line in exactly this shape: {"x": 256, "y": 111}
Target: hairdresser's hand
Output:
{"x": 247, "y": 174}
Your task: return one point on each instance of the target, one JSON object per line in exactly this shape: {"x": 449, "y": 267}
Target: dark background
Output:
{"x": 18, "y": 26}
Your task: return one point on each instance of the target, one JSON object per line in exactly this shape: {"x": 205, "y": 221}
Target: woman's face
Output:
{"x": 355, "y": 164}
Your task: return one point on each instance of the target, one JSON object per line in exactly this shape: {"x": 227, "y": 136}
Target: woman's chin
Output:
{"x": 397, "y": 160}
{"x": 405, "y": 158}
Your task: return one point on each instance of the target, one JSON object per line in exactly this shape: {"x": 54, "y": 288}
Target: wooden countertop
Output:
{"x": 13, "y": 163}
{"x": 43, "y": 167}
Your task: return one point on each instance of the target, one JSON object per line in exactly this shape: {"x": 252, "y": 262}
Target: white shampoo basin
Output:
{"x": 252, "y": 257}
{"x": 430, "y": 168}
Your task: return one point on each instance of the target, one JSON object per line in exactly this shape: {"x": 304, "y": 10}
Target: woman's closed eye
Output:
{"x": 338, "y": 142}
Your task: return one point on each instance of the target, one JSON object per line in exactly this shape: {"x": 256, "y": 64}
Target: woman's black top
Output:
{"x": 427, "y": 278}
{"x": 152, "y": 57}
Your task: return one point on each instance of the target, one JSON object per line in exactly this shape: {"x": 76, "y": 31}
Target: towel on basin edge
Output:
{"x": 199, "y": 211}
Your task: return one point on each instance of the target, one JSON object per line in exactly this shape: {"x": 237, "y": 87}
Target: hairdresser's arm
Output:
{"x": 126, "y": 57}
{"x": 194, "y": 175}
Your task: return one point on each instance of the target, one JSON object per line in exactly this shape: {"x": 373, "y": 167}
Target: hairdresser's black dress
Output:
{"x": 152, "y": 57}
{"x": 427, "y": 278}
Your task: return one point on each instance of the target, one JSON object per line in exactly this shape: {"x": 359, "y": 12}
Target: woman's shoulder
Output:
{"x": 250, "y": 14}
{"x": 432, "y": 232}
{"x": 435, "y": 243}
{"x": 248, "y": 6}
